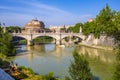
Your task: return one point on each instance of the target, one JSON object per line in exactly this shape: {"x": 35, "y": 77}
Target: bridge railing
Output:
{"x": 47, "y": 33}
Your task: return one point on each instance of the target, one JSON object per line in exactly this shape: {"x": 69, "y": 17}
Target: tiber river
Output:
{"x": 51, "y": 58}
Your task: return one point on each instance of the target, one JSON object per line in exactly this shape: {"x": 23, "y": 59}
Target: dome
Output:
{"x": 35, "y": 24}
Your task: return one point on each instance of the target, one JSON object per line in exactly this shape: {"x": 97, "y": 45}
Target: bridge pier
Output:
{"x": 70, "y": 40}
{"x": 29, "y": 42}
{"x": 58, "y": 42}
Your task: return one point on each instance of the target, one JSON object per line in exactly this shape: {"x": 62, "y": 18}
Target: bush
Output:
{"x": 26, "y": 70}
{"x": 79, "y": 68}
{"x": 50, "y": 76}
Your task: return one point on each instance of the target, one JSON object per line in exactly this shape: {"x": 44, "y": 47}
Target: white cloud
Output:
{"x": 49, "y": 14}
{"x": 44, "y": 7}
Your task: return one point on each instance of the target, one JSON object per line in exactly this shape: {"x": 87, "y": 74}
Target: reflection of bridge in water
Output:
{"x": 58, "y": 52}
{"x": 57, "y": 36}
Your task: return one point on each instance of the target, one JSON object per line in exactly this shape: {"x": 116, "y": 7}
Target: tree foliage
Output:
{"x": 12, "y": 29}
{"x": 76, "y": 28}
{"x": 6, "y": 46}
{"x": 117, "y": 27}
{"x": 89, "y": 27}
{"x": 79, "y": 68}
{"x": 106, "y": 22}
{"x": 43, "y": 39}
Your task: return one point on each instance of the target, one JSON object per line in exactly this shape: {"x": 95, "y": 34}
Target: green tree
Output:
{"x": 116, "y": 75}
{"x": 6, "y": 46}
{"x": 12, "y": 29}
{"x": 76, "y": 28}
{"x": 79, "y": 68}
{"x": 43, "y": 39}
{"x": 105, "y": 21}
{"x": 70, "y": 29}
{"x": 117, "y": 27}
{"x": 89, "y": 27}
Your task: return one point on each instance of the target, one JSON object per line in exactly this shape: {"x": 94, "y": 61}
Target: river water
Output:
{"x": 51, "y": 58}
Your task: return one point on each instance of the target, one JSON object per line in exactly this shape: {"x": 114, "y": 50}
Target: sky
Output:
{"x": 52, "y": 12}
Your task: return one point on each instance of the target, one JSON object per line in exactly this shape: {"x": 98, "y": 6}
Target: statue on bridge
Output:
{"x": 80, "y": 31}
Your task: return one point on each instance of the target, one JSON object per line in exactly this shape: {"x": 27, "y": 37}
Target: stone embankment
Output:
{"x": 103, "y": 42}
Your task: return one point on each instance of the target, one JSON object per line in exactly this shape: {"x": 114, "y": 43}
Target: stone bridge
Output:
{"x": 57, "y": 36}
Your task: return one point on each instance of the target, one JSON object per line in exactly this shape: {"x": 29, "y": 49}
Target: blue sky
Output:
{"x": 52, "y": 12}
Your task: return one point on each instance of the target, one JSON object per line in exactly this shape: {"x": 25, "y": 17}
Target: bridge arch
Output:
{"x": 72, "y": 36}
{"x": 44, "y": 39}
{"x": 53, "y": 36}
{"x": 17, "y": 39}
{"x": 22, "y": 36}
{"x": 71, "y": 39}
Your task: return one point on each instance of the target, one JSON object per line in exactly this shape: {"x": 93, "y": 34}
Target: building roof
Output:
{"x": 35, "y": 24}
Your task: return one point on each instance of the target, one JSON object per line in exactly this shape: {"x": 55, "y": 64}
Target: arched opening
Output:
{"x": 43, "y": 40}
{"x": 65, "y": 40}
{"x": 76, "y": 39}
{"x": 19, "y": 40}
{"x": 71, "y": 39}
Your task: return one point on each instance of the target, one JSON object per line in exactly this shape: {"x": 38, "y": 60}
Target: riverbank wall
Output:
{"x": 103, "y": 42}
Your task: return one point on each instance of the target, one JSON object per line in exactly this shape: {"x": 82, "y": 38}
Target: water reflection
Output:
{"x": 51, "y": 58}
{"x": 102, "y": 55}
{"x": 38, "y": 48}
{"x": 59, "y": 52}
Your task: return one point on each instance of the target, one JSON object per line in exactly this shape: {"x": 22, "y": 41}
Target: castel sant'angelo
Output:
{"x": 34, "y": 26}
